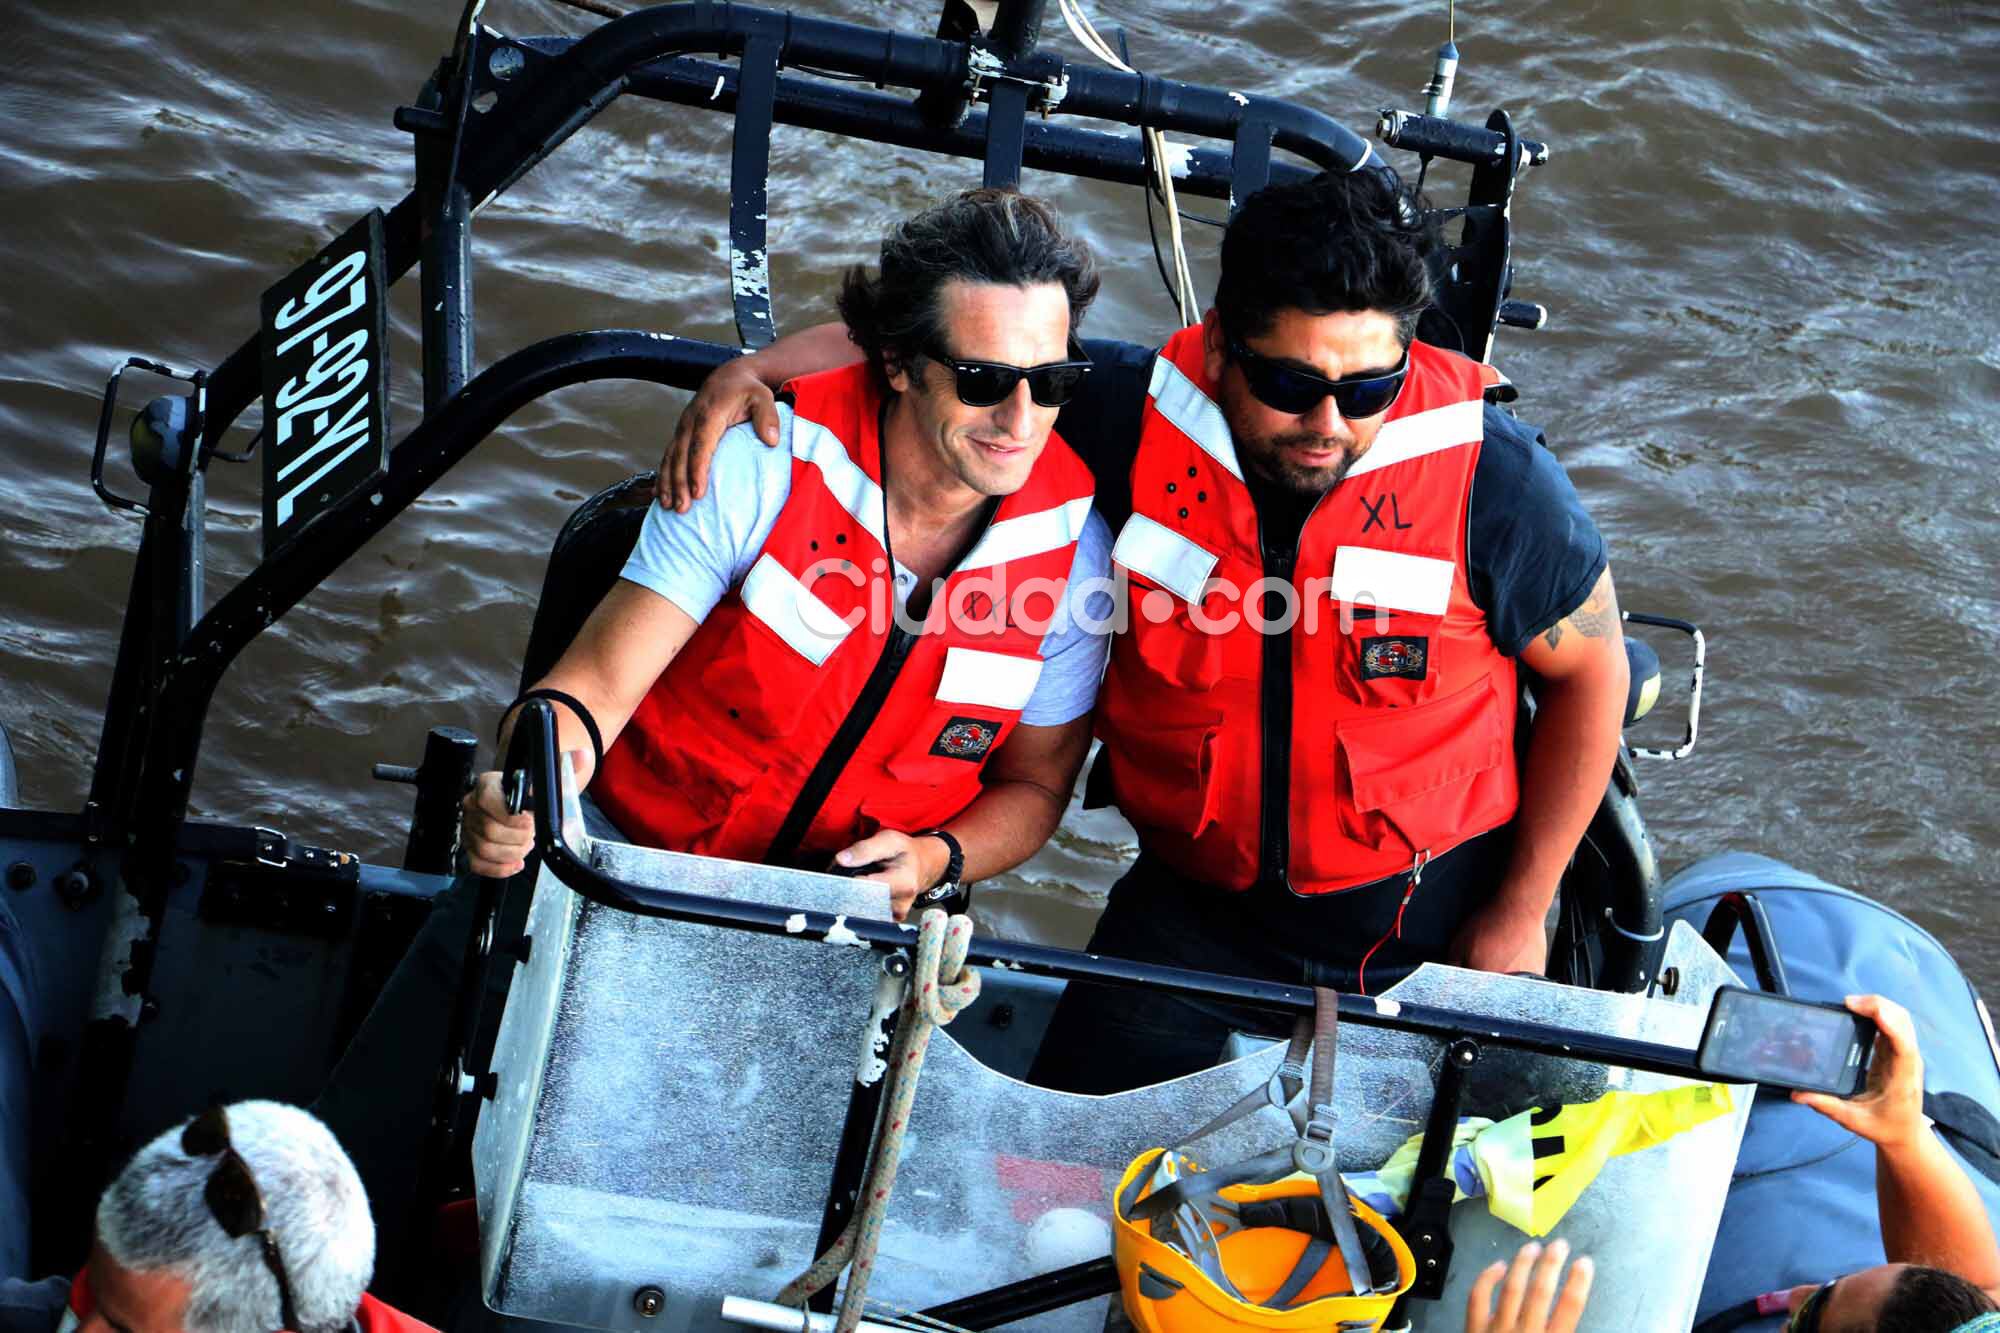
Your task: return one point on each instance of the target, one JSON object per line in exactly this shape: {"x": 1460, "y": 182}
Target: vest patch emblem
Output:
{"x": 967, "y": 738}
{"x": 1404, "y": 655}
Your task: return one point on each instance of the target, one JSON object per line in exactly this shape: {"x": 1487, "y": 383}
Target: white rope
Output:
{"x": 1156, "y": 145}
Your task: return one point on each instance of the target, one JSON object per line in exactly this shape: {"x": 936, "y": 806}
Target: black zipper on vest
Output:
{"x": 1275, "y": 698}
{"x": 1275, "y": 695}
{"x": 784, "y": 848}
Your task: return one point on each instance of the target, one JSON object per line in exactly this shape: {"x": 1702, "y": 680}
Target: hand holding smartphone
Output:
{"x": 1755, "y": 1037}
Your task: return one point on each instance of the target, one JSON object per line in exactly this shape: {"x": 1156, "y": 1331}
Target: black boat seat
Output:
{"x": 588, "y": 555}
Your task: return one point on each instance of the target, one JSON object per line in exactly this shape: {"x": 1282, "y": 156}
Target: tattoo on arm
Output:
{"x": 1599, "y": 612}
{"x": 1594, "y": 619}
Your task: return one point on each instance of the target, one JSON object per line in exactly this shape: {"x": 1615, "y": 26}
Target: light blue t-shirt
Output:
{"x": 692, "y": 559}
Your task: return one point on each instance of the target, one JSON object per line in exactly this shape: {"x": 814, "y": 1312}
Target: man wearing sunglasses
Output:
{"x": 1943, "y": 1268}
{"x": 1339, "y": 559}
{"x": 247, "y": 1219}
{"x": 867, "y": 645}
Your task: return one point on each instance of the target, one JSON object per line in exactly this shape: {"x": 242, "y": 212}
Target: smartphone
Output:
{"x": 1756, "y": 1037}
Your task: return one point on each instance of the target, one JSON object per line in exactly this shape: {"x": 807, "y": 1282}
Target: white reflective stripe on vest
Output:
{"x": 996, "y": 680}
{"x": 1423, "y": 433}
{"x": 1029, "y": 534}
{"x": 1179, "y": 400}
{"x": 853, "y": 489}
{"x": 1392, "y": 580}
{"x": 1164, "y": 556}
{"x": 775, "y": 596}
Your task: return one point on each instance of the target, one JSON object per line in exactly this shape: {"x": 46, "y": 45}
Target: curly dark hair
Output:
{"x": 1342, "y": 241}
{"x": 1926, "y": 1300}
{"x": 985, "y": 235}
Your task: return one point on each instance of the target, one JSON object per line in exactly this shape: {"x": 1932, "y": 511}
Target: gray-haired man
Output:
{"x": 246, "y": 1219}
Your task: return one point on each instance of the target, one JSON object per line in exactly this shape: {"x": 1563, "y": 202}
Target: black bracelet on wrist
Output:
{"x": 948, "y": 892}
{"x": 571, "y": 702}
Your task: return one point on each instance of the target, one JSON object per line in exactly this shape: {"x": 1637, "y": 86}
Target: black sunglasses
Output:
{"x": 234, "y": 1199}
{"x": 984, "y": 383}
{"x": 1290, "y": 390}
{"x": 1806, "y": 1318}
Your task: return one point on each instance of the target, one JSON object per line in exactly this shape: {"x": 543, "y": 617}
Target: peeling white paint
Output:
{"x": 750, "y": 274}
{"x": 838, "y": 933}
{"x": 128, "y": 927}
{"x": 795, "y": 923}
{"x": 1005, "y": 966}
{"x": 1179, "y": 158}
{"x": 1238, "y": 98}
{"x": 875, "y": 1037}
{"x": 717, "y": 91}
{"x": 1387, "y": 1008}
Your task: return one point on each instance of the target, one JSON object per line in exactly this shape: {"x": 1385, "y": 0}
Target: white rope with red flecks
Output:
{"x": 940, "y": 986}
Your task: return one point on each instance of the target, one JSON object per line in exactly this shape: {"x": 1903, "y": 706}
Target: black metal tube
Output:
{"x": 857, "y": 1138}
{"x": 1030, "y": 1296}
{"x": 533, "y": 748}
{"x": 446, "y": 771}
{"x": 423, "y": 456}
{"x": 865, "y": 114}
{"x": 447, "y": 298}
{"x": 1426, "y": 1224}
{"x": 589, "y": 73}
{"x": 1017, "y": 28}
{"x": 1740, "y": 909}
{"x": 1435, "y": 136}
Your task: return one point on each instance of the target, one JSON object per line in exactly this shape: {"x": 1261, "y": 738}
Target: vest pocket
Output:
{"x": 1164, "y": 777}
{"x": 947, "y": 745}
{"x": 1428, "y": 777}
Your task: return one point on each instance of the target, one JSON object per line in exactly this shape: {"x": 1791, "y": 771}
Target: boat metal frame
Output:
{"x": 993, "y": 97}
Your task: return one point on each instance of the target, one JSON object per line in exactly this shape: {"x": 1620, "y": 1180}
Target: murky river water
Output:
{"x": 1773, "y": 369}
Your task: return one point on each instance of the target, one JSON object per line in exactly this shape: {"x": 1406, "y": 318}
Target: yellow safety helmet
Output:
{"x": 1247, "y": 1256}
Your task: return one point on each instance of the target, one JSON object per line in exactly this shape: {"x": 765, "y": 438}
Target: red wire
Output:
{"x": 1361, "y": 973}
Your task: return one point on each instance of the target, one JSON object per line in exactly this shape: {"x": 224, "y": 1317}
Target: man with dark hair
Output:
{"x": 869, "y": 644}
{"x": 1943, "y": 1268}
{"x": 1339, "y": 560}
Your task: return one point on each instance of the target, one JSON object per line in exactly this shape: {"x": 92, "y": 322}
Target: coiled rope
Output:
{"x": 940, "y": 986}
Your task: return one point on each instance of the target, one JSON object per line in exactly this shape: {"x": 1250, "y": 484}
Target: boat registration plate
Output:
{"x": 326, "y": 382}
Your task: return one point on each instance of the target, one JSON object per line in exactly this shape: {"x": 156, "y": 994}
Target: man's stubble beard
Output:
{"x": 1266, "y": 459}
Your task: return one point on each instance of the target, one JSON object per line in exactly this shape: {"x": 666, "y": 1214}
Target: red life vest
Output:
{"x": 372, "y": 1316}
{"x": 721, "y": 749}
{"x": 375, "y": 1317}
{"x": 1400, "y": 737}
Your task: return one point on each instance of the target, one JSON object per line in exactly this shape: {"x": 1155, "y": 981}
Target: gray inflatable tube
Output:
{"x": 1802, "y": 1204}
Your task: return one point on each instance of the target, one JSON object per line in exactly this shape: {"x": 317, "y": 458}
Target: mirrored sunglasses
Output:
{"x": 1293, "y": 391}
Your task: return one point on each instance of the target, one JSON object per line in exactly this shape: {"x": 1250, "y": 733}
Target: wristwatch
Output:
{"x": 947, "y": 893}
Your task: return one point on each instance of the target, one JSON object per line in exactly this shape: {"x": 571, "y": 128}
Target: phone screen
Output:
{"x": 1773, "y": 1040}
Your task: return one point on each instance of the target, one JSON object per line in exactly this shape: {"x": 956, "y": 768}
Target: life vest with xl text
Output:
{"x": 1394, "y": 741}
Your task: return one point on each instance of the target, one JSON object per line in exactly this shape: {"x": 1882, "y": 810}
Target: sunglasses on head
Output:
{"x": 1290, "y": 390}
{"x": 1806, "y": 1318}
{"x": 234, "y": 1199}
{"x": 985, "y": 383}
